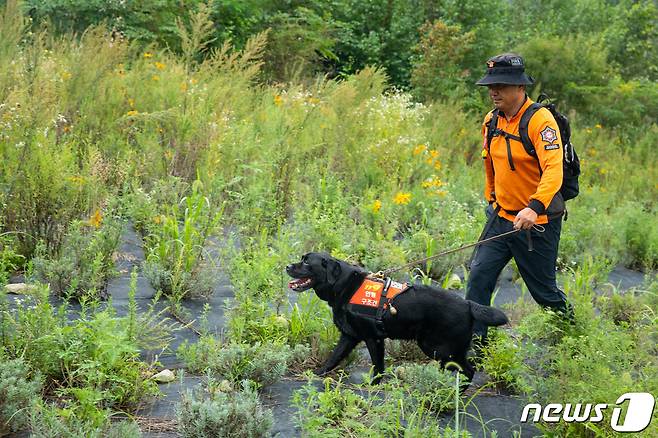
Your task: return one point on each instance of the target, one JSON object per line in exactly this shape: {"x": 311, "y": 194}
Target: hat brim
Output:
{"x": 506, "y": 79}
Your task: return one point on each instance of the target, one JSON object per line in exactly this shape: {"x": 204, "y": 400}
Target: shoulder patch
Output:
{"x": 548, "y": 134}
{"x": 550, "y": 147}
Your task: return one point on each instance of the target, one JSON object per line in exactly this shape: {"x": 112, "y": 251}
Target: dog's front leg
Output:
{"x": 376, "y": 349}
{"x": 344, "y": 347}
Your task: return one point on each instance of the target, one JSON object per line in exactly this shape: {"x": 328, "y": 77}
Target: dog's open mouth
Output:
{"x": 300, "y": 283}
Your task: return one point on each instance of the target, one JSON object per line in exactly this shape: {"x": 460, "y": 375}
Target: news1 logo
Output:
{"x": 637, "y": 418}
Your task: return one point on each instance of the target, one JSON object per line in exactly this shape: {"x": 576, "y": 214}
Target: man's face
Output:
{"x": 505, "y": 96}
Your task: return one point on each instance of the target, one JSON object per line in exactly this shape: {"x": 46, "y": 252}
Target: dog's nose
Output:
{"x": 288, "y": 268}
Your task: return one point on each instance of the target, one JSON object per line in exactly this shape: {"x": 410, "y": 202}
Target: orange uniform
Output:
{"x": 513, "y": 177}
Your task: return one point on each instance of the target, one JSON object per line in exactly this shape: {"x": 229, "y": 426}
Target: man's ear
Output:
{"x": 333, "y": 271}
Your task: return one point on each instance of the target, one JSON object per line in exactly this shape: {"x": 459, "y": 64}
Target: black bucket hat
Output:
{"x": 507, "y": 68}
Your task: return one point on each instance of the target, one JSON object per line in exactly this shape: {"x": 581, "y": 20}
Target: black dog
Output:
{"x": 441, "y": 322}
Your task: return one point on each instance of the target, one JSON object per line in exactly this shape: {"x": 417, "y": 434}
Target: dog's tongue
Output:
{"x": 296, "y": 282}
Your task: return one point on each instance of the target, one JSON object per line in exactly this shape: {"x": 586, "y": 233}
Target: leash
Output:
{"x": 386, "y": 272}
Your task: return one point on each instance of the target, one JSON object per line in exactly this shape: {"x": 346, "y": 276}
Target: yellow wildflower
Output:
{"x": 603, "y": 171}
{"x": 588, "y": 130}
{"x": 131, "y": 102}
{"x": 598, "y": 126}
{"x": 278, "y": 100}
{"x": 193, "y": 81}
{"x": 148, "y": 55}
{"x": 402, "y": 198}
{"x": 376, "y": 206}
{"x": 183, "y": 87}
{"x": 66, "y": 75}
{"x": 434, "y": 153}
{"x": 96, "y": 219}
{"x": 441, "y": 193}
{"x": 132, "y": 113}
{"x": 157, "y": 219}
{"x": 76, "y": 179}
{"x": 437, "y": 165}
{"x": 159, "y": 65}
{"x": 427, "y": 183}
{"x": 155, "y": 77}
{"x": 420, "y": 149}
{"x": 66, "y": 128}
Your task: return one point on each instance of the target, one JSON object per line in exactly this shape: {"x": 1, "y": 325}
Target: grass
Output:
{"x": 189, "y": 149}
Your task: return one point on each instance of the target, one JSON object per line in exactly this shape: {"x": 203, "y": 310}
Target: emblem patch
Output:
{"x": 515, "y": 61}
{"x": 549, "y": 135}
{"x": 550, "y": 147}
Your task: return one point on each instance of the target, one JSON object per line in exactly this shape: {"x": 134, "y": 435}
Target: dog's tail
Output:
{"x": 487, "y": 314}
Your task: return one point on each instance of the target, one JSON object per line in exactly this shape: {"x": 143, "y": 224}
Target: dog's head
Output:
{"x": 321, "y": 272}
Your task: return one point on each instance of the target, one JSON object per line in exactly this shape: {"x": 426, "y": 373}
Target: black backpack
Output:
{"x": 570, "y": 164}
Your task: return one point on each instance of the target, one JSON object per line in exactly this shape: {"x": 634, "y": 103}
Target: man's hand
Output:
{"x": 525, "y": 219}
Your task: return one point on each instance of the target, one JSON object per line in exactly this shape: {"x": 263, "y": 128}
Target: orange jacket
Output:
{"x": 523, "y": 186}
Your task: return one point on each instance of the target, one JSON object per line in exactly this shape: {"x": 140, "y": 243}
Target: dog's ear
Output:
{"x": 333, "y": 270}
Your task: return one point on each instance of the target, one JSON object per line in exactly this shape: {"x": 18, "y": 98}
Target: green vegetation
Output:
{"x": 405, "y": 404}
{"x": 224, "y": 414}
{"x": 239, "y": 135}
{"x": 611, "y": 349}
{"x": 19, "y": 391}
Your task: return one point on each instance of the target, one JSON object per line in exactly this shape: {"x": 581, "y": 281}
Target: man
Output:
{"x": 522, "y": 190}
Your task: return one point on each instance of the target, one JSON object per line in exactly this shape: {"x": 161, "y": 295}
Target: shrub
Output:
{"x": 261, "y": 363}
{"x": 642, "y": 239}
{"x": 234, "y": 414}
{"x": 94, "y": 360}
{"x": 47, "y": 193}
{"x": 9, "y": 259}
{"x": 404, "y": 351}
{"x": 19, "y": 391}
{"x": 84, "y": 263}
{"x": 178, "y": 263}
{"x": 438, "y": 73}
{"x": 427, "y": 386}
{"x": 339, "y": 410}
{"x": 47, "y": 421}
{"x": 311, "y": 323}
{"x": 502, "y": 360}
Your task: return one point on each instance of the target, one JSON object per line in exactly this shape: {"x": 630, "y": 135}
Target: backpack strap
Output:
{"x": 525, "y": 136}
{"x": 493, "y": 121}
{"x": 523, "y": 128}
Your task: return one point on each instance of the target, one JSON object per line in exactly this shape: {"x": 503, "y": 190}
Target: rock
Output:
{"x": 19, "y": 288}
{"x": 164, "y": 376}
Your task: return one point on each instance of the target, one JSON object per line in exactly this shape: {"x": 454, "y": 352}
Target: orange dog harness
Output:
{"x": 374, "y": 292}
